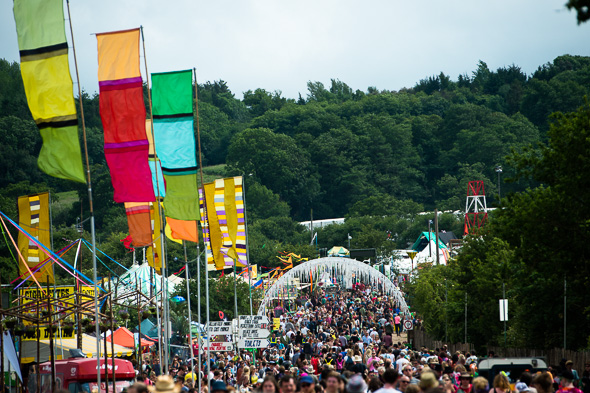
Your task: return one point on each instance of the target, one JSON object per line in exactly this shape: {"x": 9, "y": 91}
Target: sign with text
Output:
{"x": 219, "y": 328}
{"x": 63, "y": 294}
{"x": 218, "y": 346}
{"x": 254, "y": 333}
{"x": 253, "y": 343}
{"x": 253, "y": 322}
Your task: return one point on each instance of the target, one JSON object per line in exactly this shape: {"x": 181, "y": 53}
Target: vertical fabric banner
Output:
{"x": 48, "y": 85}
{"x": 155, "y": 164}
{"x": 138, "y": 219}
{"x": 33, "y": 217}
{"x": 211, "y": 233}
{"x": 154, "y": 250}
{"x": 172, "y": 100}
{"x": 225, "y": 230}
{"x": 122, "y": 112}
{"x": 182, "y": 230}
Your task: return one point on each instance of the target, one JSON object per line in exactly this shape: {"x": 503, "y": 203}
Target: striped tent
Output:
{"x": 138, "y": 276}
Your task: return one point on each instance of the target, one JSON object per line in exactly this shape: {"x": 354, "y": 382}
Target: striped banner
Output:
{"x": 33, "y": 215}
{"x": 225, "y": 229}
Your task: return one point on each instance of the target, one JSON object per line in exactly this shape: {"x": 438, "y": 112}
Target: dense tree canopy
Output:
{"x": 377, "y": 158}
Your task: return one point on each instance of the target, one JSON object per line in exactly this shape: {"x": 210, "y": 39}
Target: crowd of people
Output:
{"x": 347, "y": 342}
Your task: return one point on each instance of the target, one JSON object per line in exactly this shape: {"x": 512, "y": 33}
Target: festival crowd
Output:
{"x": 347, "y": 342}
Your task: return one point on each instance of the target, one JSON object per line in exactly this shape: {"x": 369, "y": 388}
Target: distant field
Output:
{"x": 64, "y": 201}
{"x": 210, "y": 173}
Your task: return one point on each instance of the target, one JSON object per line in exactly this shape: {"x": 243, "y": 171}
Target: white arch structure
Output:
{"x": 343, "y": 269}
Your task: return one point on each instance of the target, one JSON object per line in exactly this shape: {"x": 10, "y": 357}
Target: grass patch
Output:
{"x": 210, "y": 173}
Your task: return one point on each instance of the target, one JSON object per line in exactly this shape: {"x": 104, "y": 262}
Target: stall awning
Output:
{"x": 63, "y": 346}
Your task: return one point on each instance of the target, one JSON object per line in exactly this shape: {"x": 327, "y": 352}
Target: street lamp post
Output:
{"x": 498, "y": 170}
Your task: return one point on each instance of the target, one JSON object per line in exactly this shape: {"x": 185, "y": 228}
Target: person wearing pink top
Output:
{"x": 398, "y": 324}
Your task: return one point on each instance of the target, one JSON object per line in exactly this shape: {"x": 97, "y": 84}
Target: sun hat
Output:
{"x": 165, "y": 384}
{"x": 357, "y": 358}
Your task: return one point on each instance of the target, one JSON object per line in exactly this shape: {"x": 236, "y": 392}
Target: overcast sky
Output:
{"x": 281, "y": 45}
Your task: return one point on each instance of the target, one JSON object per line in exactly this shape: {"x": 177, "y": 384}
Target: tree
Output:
{"x": 275, "y": 161}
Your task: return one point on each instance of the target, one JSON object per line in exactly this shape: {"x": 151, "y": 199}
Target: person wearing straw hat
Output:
{"x": 164, "y": 384}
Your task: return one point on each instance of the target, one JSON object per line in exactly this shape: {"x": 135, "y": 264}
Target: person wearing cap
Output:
{"x": 358, "y": 367}
{"x": 521, "y": 387}
{"x": 465, "y": 383}
{"x": 307, "y": 384}
{"x": 569, "y": 365}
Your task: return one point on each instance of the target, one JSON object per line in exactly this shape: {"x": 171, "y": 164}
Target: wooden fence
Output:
{"x": 553, "y": 357}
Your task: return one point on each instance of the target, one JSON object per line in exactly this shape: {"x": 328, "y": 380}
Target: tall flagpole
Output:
{"x": 206, "y": 221}
{"x": 92, "y": 229}
{"x": 162, "y": 252}
{"x": 188, "y": 299}
{"x": 199, "y": 341}
{"x": 247, "y": 247}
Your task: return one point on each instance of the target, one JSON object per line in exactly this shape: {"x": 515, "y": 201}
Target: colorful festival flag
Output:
{"x": 155, "y": 164}
{"x": 182, "y": 230}
{"x": 154, "y": 250}
{"x": 139, "y": 221}
{"x": 172, "y": 101}
{"x": 257, "y": 284}
{"x": 122, "y": 112}
{"x": 33, "y": 217}
{"x": 48, "y": 85}
{"x": 224, "y": 231}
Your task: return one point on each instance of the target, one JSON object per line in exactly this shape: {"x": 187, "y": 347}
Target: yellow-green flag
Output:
{"x": 48, "y": 85}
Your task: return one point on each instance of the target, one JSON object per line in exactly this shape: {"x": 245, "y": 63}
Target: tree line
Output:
{"x": 377, "y": 157}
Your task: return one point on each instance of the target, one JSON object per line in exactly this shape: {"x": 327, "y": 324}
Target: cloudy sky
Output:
{"x": 281, "y": 45}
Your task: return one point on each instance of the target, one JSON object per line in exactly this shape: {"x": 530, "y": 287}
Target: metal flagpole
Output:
{"x": 162, "y": 252}
{"x": 247, "y": 247}
{"x": 235, "y": 291}
{"x": 188, "y": 299}
{"x": 89, "y": 183}
{"x": 206, "y": 223}
{"x": 199, "y": 341}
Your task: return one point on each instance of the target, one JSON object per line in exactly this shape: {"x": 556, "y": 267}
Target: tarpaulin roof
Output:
{"x": 338, "y": 251}
{"x": 423, "y": 240}
{"x": 125, "y": 338}
{"x": 29, "y": 348}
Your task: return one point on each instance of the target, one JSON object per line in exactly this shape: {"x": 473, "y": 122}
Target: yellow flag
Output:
{"x": 33, "y": 217}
